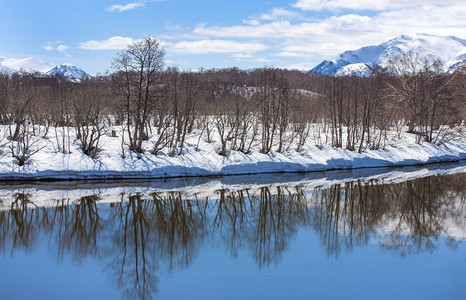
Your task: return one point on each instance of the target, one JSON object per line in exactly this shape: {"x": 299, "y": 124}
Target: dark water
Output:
{"x": 360, "y": 238}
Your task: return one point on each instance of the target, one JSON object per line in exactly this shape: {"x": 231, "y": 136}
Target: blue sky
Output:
{"x": 216, "y": 34}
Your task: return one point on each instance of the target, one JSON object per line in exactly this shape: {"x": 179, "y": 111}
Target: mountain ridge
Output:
{"x": 34, "y": 65}
{"x": 450, "y": 50}
{"x": 69, "y": 71}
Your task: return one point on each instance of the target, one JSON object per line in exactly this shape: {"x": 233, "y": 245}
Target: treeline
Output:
{"x": 269, "y": 109}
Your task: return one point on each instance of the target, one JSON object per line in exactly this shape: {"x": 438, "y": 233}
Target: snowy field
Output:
{"x": 201, "y": 158}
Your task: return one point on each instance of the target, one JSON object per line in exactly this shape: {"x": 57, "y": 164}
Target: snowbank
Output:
{"x": 48, "y": 163}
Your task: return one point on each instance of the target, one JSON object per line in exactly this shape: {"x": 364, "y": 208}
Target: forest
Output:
{"x": 151, "y": 108}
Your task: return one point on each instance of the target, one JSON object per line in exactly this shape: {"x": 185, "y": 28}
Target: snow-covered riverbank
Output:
{"x": 48, "y": 163}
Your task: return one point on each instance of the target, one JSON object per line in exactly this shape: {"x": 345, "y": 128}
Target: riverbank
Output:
{"x": 203, "y": 160}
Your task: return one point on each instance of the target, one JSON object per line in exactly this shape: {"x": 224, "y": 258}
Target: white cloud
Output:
{"x": 374, "y": 5}
{"x": 279, "y": 13}
{"x": 285, "y": 29}
{"x": 113, "y": 43}
{"x": 48, "y": 48}
{"x": 130, "y": 6}
{"x": 249, "y": 58}
{"x": 261, "y": 60}
{"x": 242, "y": 56}
{"x": 252, "y": 22}
{"x": 63, "y": 48}
{"x": 52, "y": 46}
{"x": 275, "y": 14}
{"x": 302, "y": 66}
{"x": 216, "y": 46}
{"x": 330, "y": 36}
{"x": 126, "y": 7}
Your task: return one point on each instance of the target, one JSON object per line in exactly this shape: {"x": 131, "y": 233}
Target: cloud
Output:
{"x": 332, "y": 35}
{"x": 48, "y": 48}
{"x": 242, "y": 56}
{"x": 56, "y": 46}
{"x": 126, "y": 7}
{"x": 373, "y": 5}
{"x": 130, "y": 6}
{"x": 274, "y": 14}
{"x": 245, "y": 57}
{"x": 302, "y": 66}
{"x": 113, "y": 43}
{"x": 216, "y": 46}
{"x": 279, "y": 13}
{"x": 63, "y": 48}
{"x": 285, "y": 29}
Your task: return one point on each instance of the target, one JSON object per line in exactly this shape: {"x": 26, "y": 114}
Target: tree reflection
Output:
{"x": 276, "y": 220}
{"x": 408, "y": 217}
{"x": 347, "y": 214}
{"x": 19, "y": 226}
{"x": 77, "y": 227}
{"x": 150, "y": 232}
{"x": 422, "y": 206}
{"x": 133, "y": 269}
{"x": 234, "y": 212}
{"x": 140, "y": 236}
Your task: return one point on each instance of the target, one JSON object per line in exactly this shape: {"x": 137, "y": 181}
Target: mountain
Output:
{"x": 35, "y": 65}
{"x": 449, "y": 49}
{"x": 28, "y": 64}
{"x": 5, "y": 69}
{"x": 70, "y": 72}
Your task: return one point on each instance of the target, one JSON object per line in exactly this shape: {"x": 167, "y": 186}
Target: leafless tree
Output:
{"x": 87, "y": 106}
{"x": 424, "y": 90}
{"x": 138, "y": 73}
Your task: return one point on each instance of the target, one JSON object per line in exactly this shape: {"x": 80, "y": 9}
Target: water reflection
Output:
{"x": 140, "y": 235}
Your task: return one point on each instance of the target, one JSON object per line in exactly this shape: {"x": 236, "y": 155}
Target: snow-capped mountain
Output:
{"x": 449, "y": 49}
{"x": 35, "y": 65}
{"x": 69, "y": 71}
{"x": 5, "y": 69}
{"x": 27, "y": 64}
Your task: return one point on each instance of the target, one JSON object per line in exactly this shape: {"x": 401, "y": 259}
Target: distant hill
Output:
{"x": 35, "y": 65}
{"x": 69, "y": 71}
{"x": 450, "y": 50}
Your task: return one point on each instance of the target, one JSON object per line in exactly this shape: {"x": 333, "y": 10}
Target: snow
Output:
{"x": 32, "y": 64}
{"x": 69, "y": 71}
{"x": 359, "y": 69}
{"x": 29, "y": 64}
{"x": 49, "y": 163}
{"x": 450, "y": 50}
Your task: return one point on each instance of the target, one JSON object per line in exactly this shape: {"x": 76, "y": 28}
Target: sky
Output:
{"x": 293, "y": 34}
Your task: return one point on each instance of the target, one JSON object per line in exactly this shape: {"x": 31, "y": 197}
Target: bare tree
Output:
{"x": 4, "y": 99}
{"x": 138, "y": 73}
{"x": 22, "y": 92}
{"x": 87, "y": 105}
{"x": 424, "y": 90}
{"x": 22, "y": 148}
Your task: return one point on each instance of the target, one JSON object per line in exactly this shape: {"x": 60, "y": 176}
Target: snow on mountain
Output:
{"x": 6, "y": 70}
{"x": 69, "y": 71}
{"x": 35, "y": 65}
{"x": 358, "y": 69}
{"x": 449, "y": 49}
{"x": 28, "y": 64}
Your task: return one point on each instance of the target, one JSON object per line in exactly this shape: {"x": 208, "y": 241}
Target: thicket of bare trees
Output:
{"x": 269, "y": 109}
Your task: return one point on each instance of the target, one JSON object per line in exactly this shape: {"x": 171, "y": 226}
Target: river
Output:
{"x": 361, "y": 234}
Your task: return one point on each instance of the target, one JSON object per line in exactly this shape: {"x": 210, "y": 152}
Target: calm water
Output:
{"x": 344, "y": 235}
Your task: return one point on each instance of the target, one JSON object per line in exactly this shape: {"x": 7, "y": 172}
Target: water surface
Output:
{"x": 368, "y": 234}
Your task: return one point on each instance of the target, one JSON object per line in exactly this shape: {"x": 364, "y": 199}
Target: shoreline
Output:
{"x": 262, "y": 167}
